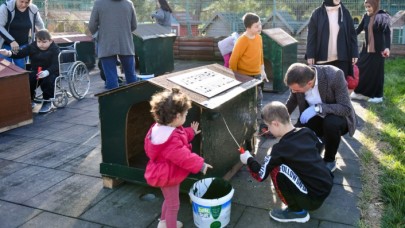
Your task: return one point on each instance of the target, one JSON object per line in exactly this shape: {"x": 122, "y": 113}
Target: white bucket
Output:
{"x": 145, "y": 76}
{"x": 210, "y": 213}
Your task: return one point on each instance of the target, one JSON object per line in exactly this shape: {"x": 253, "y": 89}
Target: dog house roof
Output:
{"x": 280, "y": 36}
{"x": 243, "y": 83}
{"x": 150, "y": 31}
{"x": 71, "y": 37}
{"x": 215, "y": 101}
{"x": 8, "y": 69}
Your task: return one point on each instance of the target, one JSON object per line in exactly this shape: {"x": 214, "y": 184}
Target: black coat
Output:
{"x": 318, "y": 36}
{"x": 47, "y": 59}
{"x": 381, "y": 31}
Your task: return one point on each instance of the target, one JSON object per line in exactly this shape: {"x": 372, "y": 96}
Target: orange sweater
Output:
{"x": 247, "y": 55}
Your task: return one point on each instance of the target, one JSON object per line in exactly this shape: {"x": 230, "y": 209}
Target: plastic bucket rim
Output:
{"x": 210, "y": 202}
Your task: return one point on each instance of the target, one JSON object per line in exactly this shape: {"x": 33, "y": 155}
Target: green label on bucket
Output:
{"x": 216, "y": 211}
{"x": 216, "y": 224}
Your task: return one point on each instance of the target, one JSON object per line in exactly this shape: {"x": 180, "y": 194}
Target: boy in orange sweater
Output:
{"x": 247, "y": 55}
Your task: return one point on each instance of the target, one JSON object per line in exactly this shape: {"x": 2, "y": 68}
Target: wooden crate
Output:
{"x": 15, "y": 99}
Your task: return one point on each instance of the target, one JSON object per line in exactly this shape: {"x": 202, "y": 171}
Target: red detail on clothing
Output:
{"x": 273, "y": 175}
{"x": 255, "y": 175}
{"x": 172, "y": 161}
{"x": 39, "y": 70}
{"x": 227, "y": 57}
{"x": 353, "y": 81}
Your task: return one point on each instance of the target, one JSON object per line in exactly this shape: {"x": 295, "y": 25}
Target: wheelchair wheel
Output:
{"x": 79, "y": 80}
{"x": 60, "y": 100}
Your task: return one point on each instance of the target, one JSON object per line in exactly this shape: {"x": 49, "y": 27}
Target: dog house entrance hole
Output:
{"x": 139, "y": 120}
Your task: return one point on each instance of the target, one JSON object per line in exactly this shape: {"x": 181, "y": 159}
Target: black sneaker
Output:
{"x": 46, "y": 107}
{"x": 289, "y": 216}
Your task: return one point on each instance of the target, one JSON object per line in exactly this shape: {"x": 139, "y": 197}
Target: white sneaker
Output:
{"x": 357, "y": 96}
{"x": 162, "y": 224}
{"x": 375, "y": 100}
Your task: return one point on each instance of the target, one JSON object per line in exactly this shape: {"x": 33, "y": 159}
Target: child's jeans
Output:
{"x": 171, "y": 205}
{"x": 227, "y": 57}
{"x": 18, "y": 62}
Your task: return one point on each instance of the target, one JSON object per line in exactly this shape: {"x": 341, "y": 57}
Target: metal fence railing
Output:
{"x": 197, "y": 15}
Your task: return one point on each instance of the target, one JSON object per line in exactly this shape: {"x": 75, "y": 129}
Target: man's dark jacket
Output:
{"x": 333, "y": 92}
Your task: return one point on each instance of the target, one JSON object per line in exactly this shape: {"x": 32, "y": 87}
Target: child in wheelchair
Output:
{"x": 43, "y": 54}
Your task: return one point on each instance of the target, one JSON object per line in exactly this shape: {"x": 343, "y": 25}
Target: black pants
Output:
{"x": 345, "y": 66}
{"x": 292, "y": 191}
{"x": 47, "y": 85}
{"x": 329, "y": 129}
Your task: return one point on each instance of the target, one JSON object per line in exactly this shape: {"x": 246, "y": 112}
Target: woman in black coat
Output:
{"x": 332, "y": 39}
{"x": 376, "y": 25}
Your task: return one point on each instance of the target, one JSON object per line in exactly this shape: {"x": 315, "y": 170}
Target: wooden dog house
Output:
{"x": 15, "y": 99}
{"x": 125, "y": 119}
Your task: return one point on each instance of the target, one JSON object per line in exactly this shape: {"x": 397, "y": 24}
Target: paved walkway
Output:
{"x": 49, "y": 177}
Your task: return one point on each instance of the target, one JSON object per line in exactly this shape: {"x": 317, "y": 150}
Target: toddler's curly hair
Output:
{"x": 165, "y": 105}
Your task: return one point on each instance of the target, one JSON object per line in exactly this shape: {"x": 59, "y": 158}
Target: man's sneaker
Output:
{"x": 375, "y": 100}
{"x": 289, "y": 216}
{"x": 357, "y": 96}
{"x": 331, "y": 165}
{"x": 46, "y": 107}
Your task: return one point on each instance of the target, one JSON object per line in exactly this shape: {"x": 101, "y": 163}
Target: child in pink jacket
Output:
{"x": 226, "y": 45}
{"x": 167, "y": 144}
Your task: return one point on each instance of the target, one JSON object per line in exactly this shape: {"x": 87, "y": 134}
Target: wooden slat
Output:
{"x": 197, "y": 43}
{"x": 196, "y": 48}
{"x": 195, "y": 57}
{"x": 201, "y": 52}
{"x": 397, "y": 50}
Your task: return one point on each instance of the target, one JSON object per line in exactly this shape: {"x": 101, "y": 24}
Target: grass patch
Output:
{"x": 387, "y": 144}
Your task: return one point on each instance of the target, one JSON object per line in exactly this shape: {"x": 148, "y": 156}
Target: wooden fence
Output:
{"x": 206, "y": 48}
{"x": 197, "y": 48}
{"x": 398, "y": 50}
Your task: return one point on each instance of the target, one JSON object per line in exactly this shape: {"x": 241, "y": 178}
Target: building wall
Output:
{"x": 184, "y": 30}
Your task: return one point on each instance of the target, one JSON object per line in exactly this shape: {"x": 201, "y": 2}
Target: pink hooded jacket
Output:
{"x": 172, "y": 161}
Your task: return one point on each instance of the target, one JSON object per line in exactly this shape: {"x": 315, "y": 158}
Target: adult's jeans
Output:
{"x": 18, "y": 62}
{"x": 110, "y": 69}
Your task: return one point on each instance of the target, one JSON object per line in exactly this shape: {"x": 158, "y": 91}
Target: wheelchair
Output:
{"x": 73, "y": 79}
